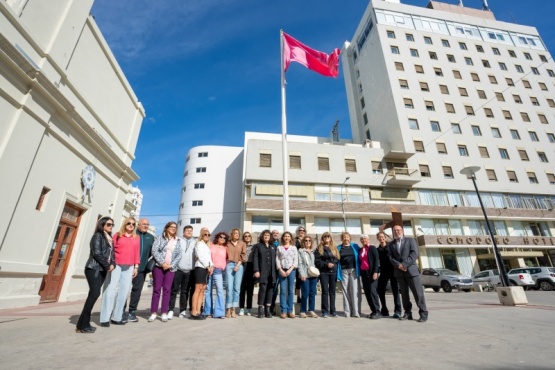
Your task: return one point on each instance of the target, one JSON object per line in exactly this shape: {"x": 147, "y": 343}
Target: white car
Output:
{"x": 492, "y": 277}
{"x": 544, "y": 277}
{"x": 445, "y": 279}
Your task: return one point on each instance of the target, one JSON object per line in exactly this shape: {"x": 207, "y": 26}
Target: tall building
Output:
{"x": 69, "y": 127}
{"x": 445, "y": 87}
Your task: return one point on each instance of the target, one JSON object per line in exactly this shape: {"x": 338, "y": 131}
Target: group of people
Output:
{"x": 280, "y": 264}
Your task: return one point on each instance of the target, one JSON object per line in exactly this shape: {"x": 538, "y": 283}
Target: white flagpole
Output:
{"x": 284, "y": 143}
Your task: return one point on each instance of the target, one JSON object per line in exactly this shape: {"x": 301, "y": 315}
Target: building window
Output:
{"x": 492, "y": 80}
{"x": 535, "y": 101}
{"x": 399, "y": 66}
{"x": 543, "y": 118}
{"x": 450, "y": 108}
{"x": 194, "y": 221}
{"x": 350, "y": 165}
{"x": 483, "y": 152}
{"x": 428, "y": 40}
{"x": 323, "y": 164}
{"x": 445, "y": 43}
{"x": 469, "y": 110}
{"x": 265, "y": 160}
{"x": 550, "y": 73}
{"x": 419, "y": 68}
{"x": 499, "y": 96}
{"x": 517, "y": 99}
{"x": 488, "y": 112}
{"x": 199, "y": 186}
{"x": 197, "y": 203}
{"x": 495, "y": 132}
{"x": 203, "y": 154}
{"x": 512, "y": 54}
{"x": 377, "y": 167}
{"x": 504, "y": 153}
{"x": 476, "y": 131}
{"x": 409, "y": 37}
{"x": 424, "y": 170}
{"x": 362, "y": 103}
{"x": 447, "y": 172}
{"x": 479, "y": 49}
{"x": 463, "y": 152}
{"x": 408, "y": 103}
{"x": 475, "y": 77}
{"x": 201, "y": 169}
{"x": 462, "y": 45}
{"x": 463, "y": 91}
{"x": 512, "y": 176}
{"x": 491, "y": 175}
{"x": 543, "y": 58}
{"x": 543, "y": 157}
{"x": 457, "y": 75}
{"x": 391, "y": 34}
{"x": 482, "y": 94}
{"x": 523, "y": 155}
{"x": 526, "y": 84}
{"x": 414, "y": 53}
{"x": 503, "y": 66}
{"x": 485, "y": 63}
{"x": 468, "y": 61}
{"x": 456, "y": 128}
{"x": 551, "y": 178}
{"x": 429, "y": 105}
{"x": 496, "y": 51}
{"x": 550, "y": 102}
{"x": 403, "y": 84}
{"x": 424, "y": 86}
{"x": 368, "y": 137}
{"x": 444, "y": 89}
{"x": 509, "y": 81}
{"x": 515, "y": 134}
{"x": 532, "y": 177}
{"x": 535, "y": 71}
{"x": 413, "y": 124}
{"x": 441, "y": 149}
{"x": 42, "y": 199}
{"x": 432, "y": 55}
{"x": 519, "y": 68}
{"x": 365, "y": 118}
{"x": 527, "y": 56}
{"x": 418, "y": 146}
{"x": 524, "y": 116}
{"x": 295, "y": 162}
{"x": 533, "y": 136}
{"x": 394, "y": 50}
{"x": 507, "y": 115}
{"x": 435, "y": 126}
{"x": 542, "y": 86}
{"x": 551, "y": 137}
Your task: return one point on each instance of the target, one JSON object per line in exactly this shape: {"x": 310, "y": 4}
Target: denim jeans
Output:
{"x": 116, "y": 289}
{"x": 286, "y": 292}
{"x": 308, "y": 293}
{"x": 233, "y": 279}
{"x": 217, "y": 308}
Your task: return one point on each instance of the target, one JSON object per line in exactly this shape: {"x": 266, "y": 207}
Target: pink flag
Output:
{"x": 294, "y": 51}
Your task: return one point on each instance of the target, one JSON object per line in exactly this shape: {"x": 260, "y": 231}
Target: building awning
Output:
{"x": 511, "y": 254}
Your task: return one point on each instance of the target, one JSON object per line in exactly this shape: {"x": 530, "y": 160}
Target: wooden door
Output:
{"x": 60, "y": 254}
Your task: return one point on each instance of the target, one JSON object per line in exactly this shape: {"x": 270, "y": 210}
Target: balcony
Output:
{"x": 400, "y": 176}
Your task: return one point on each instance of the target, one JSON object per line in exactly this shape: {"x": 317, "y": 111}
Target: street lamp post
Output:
{"x": 470, "y": 171}
{"x": 343, "y": 203}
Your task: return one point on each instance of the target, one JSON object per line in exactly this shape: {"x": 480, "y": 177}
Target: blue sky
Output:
{"x": 207, "y": 71}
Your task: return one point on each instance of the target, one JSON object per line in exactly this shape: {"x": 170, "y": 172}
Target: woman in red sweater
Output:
{"x": 127, "y": 256}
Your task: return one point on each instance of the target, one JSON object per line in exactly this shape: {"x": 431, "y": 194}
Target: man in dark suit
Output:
{"x": 403, "y": 254}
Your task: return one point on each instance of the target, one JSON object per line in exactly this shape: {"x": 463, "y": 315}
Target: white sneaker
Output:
{"x": 170, "y": 315}
{"x": 164, "y": 317}
{"x": 152, "y": 317}
{"x": 241, "y": 312}
{"x": 249, "y": 312}
{"x": 183, "y": 315}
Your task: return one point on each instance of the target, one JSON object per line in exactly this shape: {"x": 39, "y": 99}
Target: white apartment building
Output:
{"x": 69, "y": 127}
{"x": 212, "y": 189}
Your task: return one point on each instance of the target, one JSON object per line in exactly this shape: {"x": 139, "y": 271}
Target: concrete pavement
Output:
{"x": 464, "y": 331}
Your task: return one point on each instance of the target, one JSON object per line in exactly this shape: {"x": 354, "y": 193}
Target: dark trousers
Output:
{"x": 95, "y": 278}
{"x": 265, "y": 292}
{"x": 370, "y": 287}
{"x": 328, "y": 281}
{"x": 181, "y": 284}
{"x": 136, "y": 289}
{"x": 413, "y": 283}
{"x": 247, "y": 286}
{"x": 275, "y": 292}
{"x": 382, "y": 286}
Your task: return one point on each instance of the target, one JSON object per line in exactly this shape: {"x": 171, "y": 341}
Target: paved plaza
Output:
{"x": 464, "y": 331}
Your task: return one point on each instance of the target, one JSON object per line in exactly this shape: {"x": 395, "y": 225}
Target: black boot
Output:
{"x": 268, "y": 312}
{"x": 260, "y": 312}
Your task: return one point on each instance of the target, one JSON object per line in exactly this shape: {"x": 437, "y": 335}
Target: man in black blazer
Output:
{"x": 403, "y": 254}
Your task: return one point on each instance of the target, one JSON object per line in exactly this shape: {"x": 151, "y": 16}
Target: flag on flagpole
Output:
{"x": 317, "y": 61}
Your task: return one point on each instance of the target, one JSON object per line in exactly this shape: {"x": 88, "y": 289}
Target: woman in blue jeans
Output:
{"x": 215, "y": 308}
{"x": 308, "y": 283}
{"x": 286, "y": 263}
{"x": 236, "y": 256}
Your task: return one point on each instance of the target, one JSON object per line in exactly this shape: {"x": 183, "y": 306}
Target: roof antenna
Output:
{"x": 485, "y": 4}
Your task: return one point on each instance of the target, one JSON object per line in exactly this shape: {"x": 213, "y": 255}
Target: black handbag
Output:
{"x": 150, "y": 265}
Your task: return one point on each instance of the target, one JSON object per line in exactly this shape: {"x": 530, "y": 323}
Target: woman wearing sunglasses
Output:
{"x": 167, "y": 253}
{"x": 216, "y": 308}
{"x": 118, "y": 284}
{"x": 308, "y": 283}
{"x": 247, "y": 284}
{"x": 100, "y": 262}
{"x": 203, "y": 268}
{"x": 326, "y": 258}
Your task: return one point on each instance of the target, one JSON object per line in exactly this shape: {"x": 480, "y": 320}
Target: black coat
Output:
{"x": 373, "y": 259}
{"x": 407, "y": 257}
{"x": 260, "y": 262}
{"x": 386, "y": 268}
{"x": 321, "y": 261}
{"x": 101, "y": 253}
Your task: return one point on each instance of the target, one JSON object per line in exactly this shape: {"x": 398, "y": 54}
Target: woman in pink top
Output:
{"x": 218, "y": 251}
{"x": 126, "y": 251}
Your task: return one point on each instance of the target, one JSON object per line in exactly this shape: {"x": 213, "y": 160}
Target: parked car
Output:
{"x": 544, "y": 277}
{"x": 445, "y": 279}
{"x": 492, "y": 276}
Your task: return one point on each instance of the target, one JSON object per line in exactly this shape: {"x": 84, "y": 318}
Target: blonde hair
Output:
{"x": 121, "y": 231}
{"x": 332, "y": 246}
{"x": 232, "y": 231}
